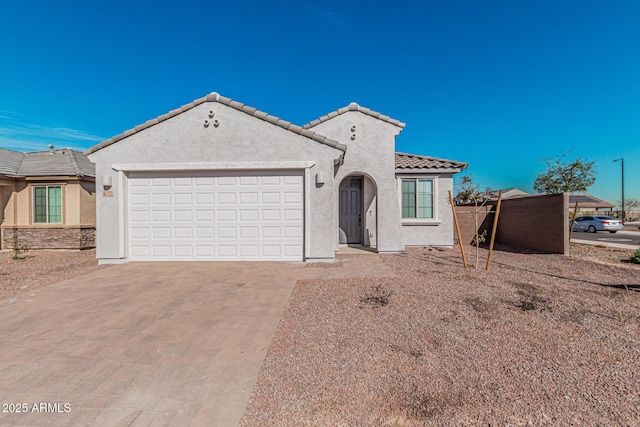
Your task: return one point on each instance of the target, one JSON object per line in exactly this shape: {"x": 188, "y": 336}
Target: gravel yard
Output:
{"x": 540, "y": 339}
{"x": 42, "y": 268}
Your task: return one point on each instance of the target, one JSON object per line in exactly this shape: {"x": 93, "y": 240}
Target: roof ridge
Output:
{"x": 74, "y": 162}
{"x": 354, "y": 107}
{"x": 216, "y": 97}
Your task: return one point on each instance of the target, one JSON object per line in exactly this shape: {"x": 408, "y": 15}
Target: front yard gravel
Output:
{"x": 539, "y": 339}
{"x": 42, "y": 268}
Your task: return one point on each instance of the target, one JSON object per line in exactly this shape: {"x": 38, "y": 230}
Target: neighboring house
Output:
{"x": 47, "y": 199}
{"x": 588, "y": 203}
{"x": 509, "y": 193}
{"x": 219, "y": 180}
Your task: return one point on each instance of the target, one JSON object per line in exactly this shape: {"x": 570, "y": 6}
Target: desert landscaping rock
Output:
{"x": 539, "y": 339}
{"x": 42, "y": 268}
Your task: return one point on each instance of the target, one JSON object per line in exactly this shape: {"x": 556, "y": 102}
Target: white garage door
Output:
{"x": 228, "y": 216}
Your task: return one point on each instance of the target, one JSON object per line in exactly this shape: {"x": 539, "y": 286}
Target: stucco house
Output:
{"x": 219, "y": 180}
{"x": 47, "y": 199}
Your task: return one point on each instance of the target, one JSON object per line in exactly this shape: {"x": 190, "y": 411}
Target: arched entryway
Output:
{"x": 357, "y": 214}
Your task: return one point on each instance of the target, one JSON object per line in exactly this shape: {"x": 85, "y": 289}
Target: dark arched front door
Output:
{"x": 351, "y": 209}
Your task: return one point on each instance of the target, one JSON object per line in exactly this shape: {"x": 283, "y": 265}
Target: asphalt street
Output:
{"x": 621, "y": 238}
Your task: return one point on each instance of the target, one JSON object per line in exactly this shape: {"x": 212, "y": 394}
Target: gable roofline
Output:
{"x": 215, "y": 97}
{"x": 64, "y": 162}
{"x": 355, "y": 107}
{"x": 406, "y": 162}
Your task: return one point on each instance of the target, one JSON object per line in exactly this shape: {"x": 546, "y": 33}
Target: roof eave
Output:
{"x": 215, "y": 97}
{"x": 355, "y": 107}
{"x": 428, "y": 170}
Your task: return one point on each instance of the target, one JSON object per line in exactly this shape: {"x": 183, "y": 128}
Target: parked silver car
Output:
{"x": 597, "y": 223}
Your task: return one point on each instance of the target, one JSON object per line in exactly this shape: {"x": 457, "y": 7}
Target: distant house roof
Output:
{"x": 65, "y": 162}
{"x": 588, "y": 201}
{"x": 508, "y": 193}
{"x": 354, "y": 107}
{"x": 415, "y": 161}
{"x": 214, "y": 97}
{"x": 10, "y": 161}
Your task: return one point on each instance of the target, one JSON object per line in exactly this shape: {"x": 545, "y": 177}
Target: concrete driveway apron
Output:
{"x": 141, "y": 344}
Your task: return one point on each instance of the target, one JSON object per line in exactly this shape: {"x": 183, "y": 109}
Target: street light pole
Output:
{"x": 621, "y": 160}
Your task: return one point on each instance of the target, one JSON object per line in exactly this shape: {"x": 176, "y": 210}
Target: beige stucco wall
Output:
{"x": 78, "y": 199}
{"x": 88, "y": 203}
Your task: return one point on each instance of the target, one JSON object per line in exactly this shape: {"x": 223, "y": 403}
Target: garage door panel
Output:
{"x": 160, "y": 182}
{"x": 227, "y": 232}
{"x": 248, "y": 215}
{"x": 139, "y": 200}
{"x": 270, "y": 214}
{"x": 204, "y": 215}
{"x": 182, "y": 233}
{"x": 209, "y": 216}
{"x": 160, "y": 216}
{"x": 226, "y": 215}
{"x": 226, "y": 198}
{"x": 182, "y": 199}
{"x": 139, "y": 217}
{"x": 183, "y": 251}
{"x": 158, "y": 199}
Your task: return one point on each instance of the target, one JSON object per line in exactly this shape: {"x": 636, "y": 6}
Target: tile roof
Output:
{"x": 10, "y": 161}
{"x": 65, "y": 162}
{"x": 214, "y": 97}
{"x": 415, "y": 161}
{"x": 354, "y": 107}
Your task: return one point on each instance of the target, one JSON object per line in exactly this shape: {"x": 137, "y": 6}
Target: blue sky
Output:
{"x": 501, "y": 85}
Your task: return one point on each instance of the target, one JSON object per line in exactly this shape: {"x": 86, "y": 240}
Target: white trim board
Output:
{"x": 150, "y": 167}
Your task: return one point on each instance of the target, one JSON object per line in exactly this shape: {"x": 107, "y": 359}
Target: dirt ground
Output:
{"x": 42, "y": 268}
{"x": 539, "y": 339}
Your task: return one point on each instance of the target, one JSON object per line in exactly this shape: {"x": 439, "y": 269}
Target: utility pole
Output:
{"x": 621, "y": 160}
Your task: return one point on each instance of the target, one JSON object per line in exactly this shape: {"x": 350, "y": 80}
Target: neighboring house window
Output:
{"x": 417, "y": 198}
{"x": 47, "y": 205}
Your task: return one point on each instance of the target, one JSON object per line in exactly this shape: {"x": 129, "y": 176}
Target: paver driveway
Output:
{"x": 141, "y": 344}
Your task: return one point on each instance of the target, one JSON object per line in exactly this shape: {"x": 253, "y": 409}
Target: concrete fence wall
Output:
{"x": 536, "y": 222}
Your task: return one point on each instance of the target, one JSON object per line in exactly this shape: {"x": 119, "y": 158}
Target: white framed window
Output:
{"x": 47, "y": 204}
{"x": 418, "y": 198}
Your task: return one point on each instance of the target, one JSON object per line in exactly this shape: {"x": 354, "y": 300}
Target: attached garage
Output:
{"x": 218, "y": 180}
{"x": 215, "y": 216}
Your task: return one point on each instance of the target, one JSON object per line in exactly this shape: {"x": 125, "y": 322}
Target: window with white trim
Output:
{"x": 47, "y": 204}
{"x": 417, "y": 199}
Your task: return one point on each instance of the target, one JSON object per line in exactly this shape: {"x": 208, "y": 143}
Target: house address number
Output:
{"x": 107, "y": 193}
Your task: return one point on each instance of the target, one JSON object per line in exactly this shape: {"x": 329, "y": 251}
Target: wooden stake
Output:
{"x": 455, "y": 221}
{"x": 493, "y": 231}
{"x": 573, "y": 218}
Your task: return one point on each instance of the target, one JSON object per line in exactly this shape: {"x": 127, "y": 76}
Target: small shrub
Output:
{"x": 378, "y": 297}
{"x": 636, "y": 257}
{"x": 532, "y": 302}
{"x": 18, "y": 247}
{"x": 479, "y": 238}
